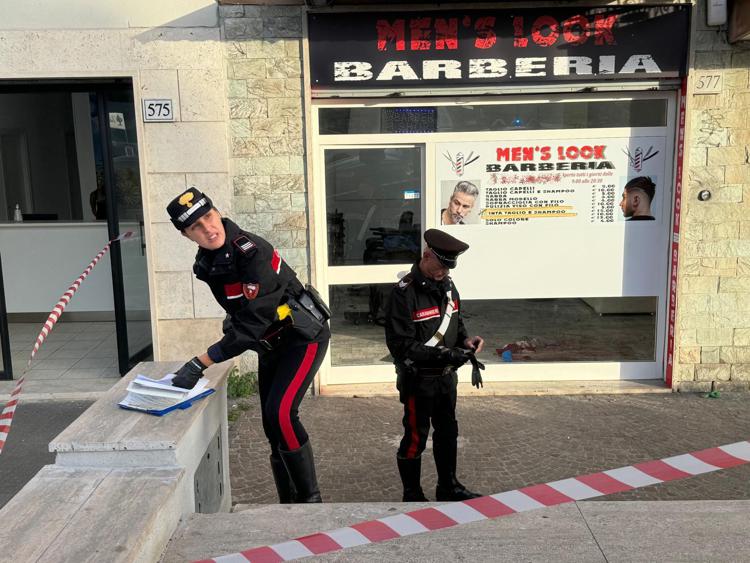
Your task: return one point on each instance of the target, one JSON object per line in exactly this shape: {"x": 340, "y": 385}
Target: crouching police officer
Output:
{"x": 270, "y": 312}
{"x": 428, "y": 341}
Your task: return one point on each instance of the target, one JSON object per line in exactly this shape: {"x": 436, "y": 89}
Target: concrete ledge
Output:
{"x": 511, "y": 388}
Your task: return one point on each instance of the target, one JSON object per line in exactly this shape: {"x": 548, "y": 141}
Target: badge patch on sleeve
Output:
{"x": 251, "y": 290}
{"x": 244, "y": 244}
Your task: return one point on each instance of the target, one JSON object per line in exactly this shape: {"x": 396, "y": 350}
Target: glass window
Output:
{"x": 609, "y": 329}
{"x": 357, "y": 333}
{"x": 373, "y": 203}
{"x": 601, "y": 329}
{"x": 499, "y": 117}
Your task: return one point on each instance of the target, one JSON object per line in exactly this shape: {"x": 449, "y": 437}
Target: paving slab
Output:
{"x": 564, "y": 529}
{"x": 670, "y": 531}
{"x": 695, "y": 531}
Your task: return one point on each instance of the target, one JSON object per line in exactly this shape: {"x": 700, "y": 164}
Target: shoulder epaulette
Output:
{"x": 244, "y": 244}
{"x": 405, "y": 281}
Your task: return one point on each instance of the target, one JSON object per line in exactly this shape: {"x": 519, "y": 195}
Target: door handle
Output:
{"x": 143, "y": 240}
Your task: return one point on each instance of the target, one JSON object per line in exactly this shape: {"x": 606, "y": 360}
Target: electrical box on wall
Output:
{"x": 716, "y": 12}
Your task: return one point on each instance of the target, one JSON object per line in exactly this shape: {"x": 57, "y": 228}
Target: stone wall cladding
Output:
{"x": 713, "y": 307}
{"x": 266, "y": 135}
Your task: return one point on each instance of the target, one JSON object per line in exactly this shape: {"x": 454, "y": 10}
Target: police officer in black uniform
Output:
{"x": 428, "y": 341}
{"x": 270, "y": 312}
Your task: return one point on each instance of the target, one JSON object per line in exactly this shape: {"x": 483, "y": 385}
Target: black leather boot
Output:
{"x": 448, "y": 487}
{"x": 301, "y": 467}
{"x": 411, "y": 474}
{"x": 284, "y": 485}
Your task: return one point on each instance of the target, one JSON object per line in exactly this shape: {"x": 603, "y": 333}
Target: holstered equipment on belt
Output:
{"x": 309, "y": 312}
{"x": 306, "y": 313}
{"x": 317, "y": 301}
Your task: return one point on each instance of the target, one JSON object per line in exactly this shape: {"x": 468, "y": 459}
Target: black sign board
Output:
{"x": 369, "y": 50}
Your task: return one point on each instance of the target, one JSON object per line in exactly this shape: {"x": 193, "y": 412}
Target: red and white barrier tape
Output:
{"x": 6, "y": 417}
{"x": 502, "y": 504}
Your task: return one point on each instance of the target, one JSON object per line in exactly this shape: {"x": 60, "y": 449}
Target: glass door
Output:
{"x": 374, "y": 223}
{"x": 124, "y": 203}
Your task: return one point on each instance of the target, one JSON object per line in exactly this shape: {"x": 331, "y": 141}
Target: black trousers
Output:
{"x": 284, "y": 375}
{"x": 419, "y": 412}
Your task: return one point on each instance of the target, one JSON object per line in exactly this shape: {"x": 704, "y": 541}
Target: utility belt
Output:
{"x": 305, "y": 312}
{"x": 434, "y": 372}
{"x": 425, "y": 381}
{"x": 429, "y": 372}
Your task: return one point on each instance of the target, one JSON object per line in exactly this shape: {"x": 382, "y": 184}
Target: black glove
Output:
{"x": 476, "y": 374}
{"x": 189, "y": 374}
{"x": 455, "y": 357}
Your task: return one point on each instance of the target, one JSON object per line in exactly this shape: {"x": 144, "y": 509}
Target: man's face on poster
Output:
{"x": 631, "y": 200}
{"x": 459, "y": 207}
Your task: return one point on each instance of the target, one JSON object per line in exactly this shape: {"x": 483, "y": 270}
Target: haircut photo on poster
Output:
{"x": 460, "y": 202}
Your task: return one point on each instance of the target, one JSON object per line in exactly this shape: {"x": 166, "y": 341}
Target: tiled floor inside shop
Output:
{"x": 539, "y": 330}
{"x": 73, "y": 350}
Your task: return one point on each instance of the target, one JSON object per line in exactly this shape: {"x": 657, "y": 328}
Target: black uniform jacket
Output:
{"x": 416, "y": 307}
{"x": 250, "y": 280}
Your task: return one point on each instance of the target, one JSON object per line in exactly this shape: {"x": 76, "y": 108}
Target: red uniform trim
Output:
{"x": 276, "y": 261}
{"x": 285, "y": 419}
{"x": 233, "y": 290}
{"x": 414, "y": 439}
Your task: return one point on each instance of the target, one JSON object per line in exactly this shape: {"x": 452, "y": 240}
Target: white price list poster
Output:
{"x": 549, "y": 181}
{"x": 545, "y": 218}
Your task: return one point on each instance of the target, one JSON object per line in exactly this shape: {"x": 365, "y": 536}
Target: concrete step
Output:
{"x": 515, "y": 388}
{"x": 578, "y": 532}
{"x": 78, "y": 514}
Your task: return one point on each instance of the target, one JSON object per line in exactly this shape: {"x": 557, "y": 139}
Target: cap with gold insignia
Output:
{"x": 445, "y": 247}
{"x": 188, "y": 207}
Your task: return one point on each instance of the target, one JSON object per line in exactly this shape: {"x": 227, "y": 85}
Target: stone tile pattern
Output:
{"x": 504, "y": 443}
{"x": 266, "y": 136}
{"x": 188, "y": 66}
{"x": 713, "y": 306}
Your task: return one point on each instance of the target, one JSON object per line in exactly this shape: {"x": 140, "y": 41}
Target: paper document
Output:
{"x": 149, "y": 394}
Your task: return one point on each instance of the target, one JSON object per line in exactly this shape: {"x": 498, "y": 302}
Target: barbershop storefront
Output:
{"x": 341, "y": 133}
{"x": 516, "y": 131}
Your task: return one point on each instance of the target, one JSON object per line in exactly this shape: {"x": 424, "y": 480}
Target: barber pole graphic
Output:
{"x": 459, "y": 163}
{"x": 6, "y": 417}
{"x": 638, "y": 158}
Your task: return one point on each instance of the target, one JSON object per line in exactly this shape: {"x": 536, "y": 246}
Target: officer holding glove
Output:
{"x": 428, "y": 341}
{"x": 270, "y": 312}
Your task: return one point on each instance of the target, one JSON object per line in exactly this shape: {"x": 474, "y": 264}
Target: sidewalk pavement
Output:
{"x": 35, "y": 424}
{"x": 505, "y": 443}
{"x": 35, "y": 390}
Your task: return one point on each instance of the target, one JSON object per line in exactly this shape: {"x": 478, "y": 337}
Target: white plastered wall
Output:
{"x": 170, "y": 49}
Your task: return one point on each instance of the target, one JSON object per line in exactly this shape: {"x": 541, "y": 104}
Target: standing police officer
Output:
{"x": 428, "y": 341}
{"x": 270, "y": 312}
